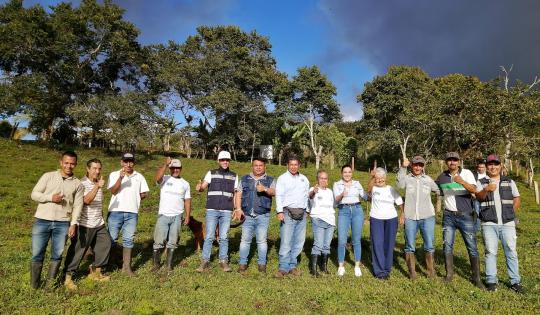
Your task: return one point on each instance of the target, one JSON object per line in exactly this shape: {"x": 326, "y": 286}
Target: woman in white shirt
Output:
{"x": 347, "y": 193}
{"x": 383, "y": 220}
{"x": 323, "y": 221}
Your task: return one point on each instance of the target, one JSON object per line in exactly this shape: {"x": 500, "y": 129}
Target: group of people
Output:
{"x": 73, "y": 207}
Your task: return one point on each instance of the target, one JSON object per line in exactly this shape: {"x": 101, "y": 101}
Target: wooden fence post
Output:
{"x": 536, "y": 192}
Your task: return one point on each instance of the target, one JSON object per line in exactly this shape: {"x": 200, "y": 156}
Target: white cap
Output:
{"x": 175, "y": 163}
{"x": 224, "y": 155}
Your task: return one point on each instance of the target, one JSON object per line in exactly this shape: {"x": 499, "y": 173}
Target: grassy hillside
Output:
{"x": 185, "y": 291}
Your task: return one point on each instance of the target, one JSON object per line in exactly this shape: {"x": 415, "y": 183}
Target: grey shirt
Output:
{"x": 497, "y": 200}
{"x": 418, "y": 191}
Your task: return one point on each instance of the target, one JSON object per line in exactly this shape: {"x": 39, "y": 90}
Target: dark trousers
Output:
{"x": 96, "y": 238}
{"x": 383, "y": 239}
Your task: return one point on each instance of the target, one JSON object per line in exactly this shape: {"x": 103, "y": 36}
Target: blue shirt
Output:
{"x": 291, "y": 191}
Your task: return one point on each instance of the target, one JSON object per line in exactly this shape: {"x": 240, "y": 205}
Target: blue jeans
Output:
{"x": 213, "y": 218}
{"x": 42, "y": 231}
{"x": 167, "y": 230}
{"x": 507, "y": 235}
{"x": 427, "y": 230}
{"x": 477, "y": 224}
{"x": 350, "y": 216}
{"x": 453, "y": 221}
{"x": 383, "y": 240}
{"x": 322, "y": 236}
{"x": 127, "y": 223}
{"x": 293, "y": 235}
{"x": 257, "y": 226}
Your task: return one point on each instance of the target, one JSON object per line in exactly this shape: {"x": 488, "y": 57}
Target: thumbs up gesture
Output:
{"x": 260, "y": 187}
{"x": 316, "y": 188}
{"x": 101, "y": 182}
{"x": 198, "y": 186}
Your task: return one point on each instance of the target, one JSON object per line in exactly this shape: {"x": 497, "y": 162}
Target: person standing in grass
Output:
{"x": 128, "y": 188}
{"x": 457, "y": 186}
{"x": 92, "y": 232}
{"x": 347, "y": 193}
{"x": 499, "y": 201}
{"x": 175, "y": 198}
{"x": 323, "y": 222}
{"x": 478, "y": 174}
{"x": 60, "y": 197}
{"x": 419, "y": 212}
{"x": 222, "y": 186}
{"x": 291, "y": 206}
{"x": 383, "y": 222}
{"x": 253, "y": 201}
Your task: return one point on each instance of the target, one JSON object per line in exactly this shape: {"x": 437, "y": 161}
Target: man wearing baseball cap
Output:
{"x": 175, "y": 198}
{"x": 419, "y": 212}
{"x": 222, "y": 185}
{"x": 128, "y": 188}
{"x": 457, "y": 186}
{"x": 499, "y": 200}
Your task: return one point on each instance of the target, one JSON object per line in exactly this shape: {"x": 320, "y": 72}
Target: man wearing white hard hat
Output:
{"x": 222, "y": 185}
{"x": 175, "y": 198}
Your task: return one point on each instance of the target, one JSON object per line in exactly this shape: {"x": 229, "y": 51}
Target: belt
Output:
{"x": 349, "y": 204}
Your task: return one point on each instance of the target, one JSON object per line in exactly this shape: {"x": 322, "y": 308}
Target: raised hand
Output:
{"x": 101, "y": 182}
{"x": 260, "y": 187}
{"x": 57, "y": 198}
{"x": 406, "y": 162}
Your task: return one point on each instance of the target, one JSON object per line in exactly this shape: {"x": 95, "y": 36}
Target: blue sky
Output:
{"x": 354, "y": 40}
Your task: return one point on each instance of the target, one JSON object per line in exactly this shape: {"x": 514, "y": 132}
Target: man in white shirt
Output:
{"x": 174, "y": 198}
{"x": 128, "y": 188}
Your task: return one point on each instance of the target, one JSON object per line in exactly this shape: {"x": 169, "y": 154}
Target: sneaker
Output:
{"x": 491, "y": 287}
{"x": 341, "y": 271}
{"x": 225, "y": 266}
{"x": 516, "y": 287}
{"x": 242, "y": 269}
{"x": 357, "y": 271}
{"x": 203, "y": 266}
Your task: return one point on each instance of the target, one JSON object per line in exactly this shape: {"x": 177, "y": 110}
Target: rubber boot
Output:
{"x": 126, "y": 262}
{"x": 449, "y": 262}
{"x": 54, "y": 267}
{"x": 35, "y": 274}
{"x": 313, "y": 265}
{"x": 170, "y": 256}
{"x": 430, "y": 265}
{"x": 156, "y": 260}
{"x": 475, "y": 266}
{"x": 411, "y": 265}
{"x": 323, "y": 263}
{"x": 69, "y": 284}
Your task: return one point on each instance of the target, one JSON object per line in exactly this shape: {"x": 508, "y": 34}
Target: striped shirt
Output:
{"x": 91, "y": 215}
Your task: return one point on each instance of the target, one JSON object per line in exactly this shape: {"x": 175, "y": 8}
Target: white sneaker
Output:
{"x": 341, "y": 271}
{"x": 357, "y": 271}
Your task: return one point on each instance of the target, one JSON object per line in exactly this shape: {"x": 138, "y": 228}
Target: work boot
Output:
{"x": 69, "y": 284}
{"x": 475, "y": 266}
{"x": 54, "y": 267}
{"x": 242, "y": 269}
{"x": 313, "y": 265}
{"x": 429, "y": 265}
{"x": 449, "y": 262}
{"x": 225, "y": 266}
{"x": 323, "y": 263}
{"x": 262, "y": 268}
{"x": 156, "y": 260}
{"x": 203, "y": 266}
{"x": 295, "y": 272}
{"x": 96, "y": 275}
{"x": 126, "y": 262}
{"x": 170, "y": 256}
{"x": 35, "y": 274}
{"x": 280, "y": 274}
{"x": 411, "y": 265}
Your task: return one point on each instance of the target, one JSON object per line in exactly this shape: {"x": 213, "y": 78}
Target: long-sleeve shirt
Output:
{"x": 53, "y": 183}
{"x": 291, "y": 191}
{"x": 418, "y": 190}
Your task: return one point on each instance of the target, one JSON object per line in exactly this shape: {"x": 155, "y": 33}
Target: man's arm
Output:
{"x": 118, "y": 183}
{"x": 401, "y": 181}
{"x": 517, "y": 203}
{"x": 161, "y": 170}
{"x": 38, "y": 194}
{"x": 91, "y": 195}
{"x": 187, "y": 208}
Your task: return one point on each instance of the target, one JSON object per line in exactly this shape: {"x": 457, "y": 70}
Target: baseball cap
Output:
{"x": 452, "y": 155}
{"x": 128, "y": 156}
{"x": 493, "y": 158}
{"x": 418, "y": 159}
{"x": 224, "y": 155}
{"x": 175, "y": 163}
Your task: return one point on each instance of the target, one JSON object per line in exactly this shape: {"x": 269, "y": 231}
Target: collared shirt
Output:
{"x": 418, "y": 191}
{"x": 354, "y": 193}
{"x": 92, "y": 214}
{"x": 291, "y": 191}
{"x": 53, "y": 183}
{"x": 456, "y": 197}
{"x": 128, "y": 198}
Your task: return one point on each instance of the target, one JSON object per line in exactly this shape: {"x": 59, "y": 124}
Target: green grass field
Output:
{"x": 186, "y": 291}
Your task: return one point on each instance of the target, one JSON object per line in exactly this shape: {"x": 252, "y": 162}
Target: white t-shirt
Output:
{"x": 450, "y": 200}
{"x": 91, "y": 215}
{"x": 208, "y": 179}
{"x": 128, "y": 198}
{"x": 322, "y": 205}
{"x": 174, "y": 191}
{"x": 382, "y": 202}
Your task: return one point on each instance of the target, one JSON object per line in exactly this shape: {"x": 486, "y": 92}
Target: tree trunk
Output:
{"x": 167, "y": 142}
{"x": 318, "y": 156}
{"x": 332, "y": 161}
{"x": 280, "y": 156}
{"x": 252, "y": 148}
{"x": 507, "y": 150}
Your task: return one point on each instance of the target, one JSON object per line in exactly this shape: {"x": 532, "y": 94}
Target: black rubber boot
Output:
{"x": 475, "y": 266}
{"x": 35, "y": 274}
{"x": 323, "y": 263}
{"x": 156, "y": 260}
{"x": 313, "y": 265}
{"x": 170, "y": 256}
{"x": 54, "y": 267}
{"x": 449, "y": 262}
